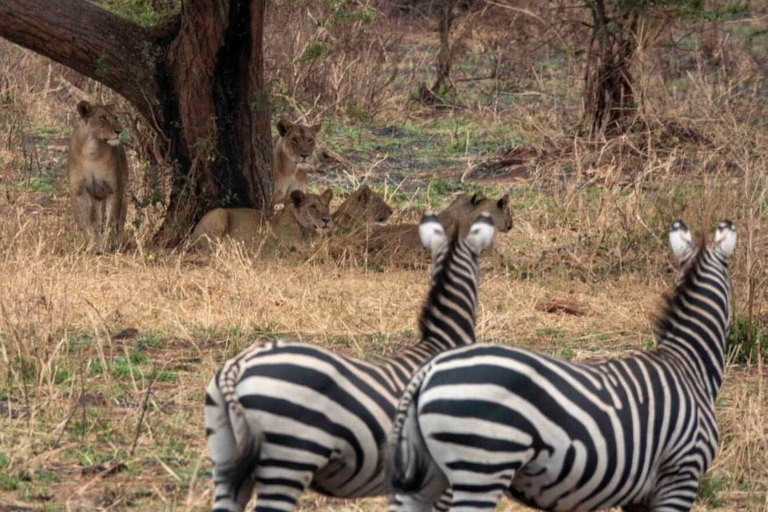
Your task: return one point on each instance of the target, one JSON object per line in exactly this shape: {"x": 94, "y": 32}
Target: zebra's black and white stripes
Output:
{"x": 637, "y": 432}
{"x": 281, "y": 417}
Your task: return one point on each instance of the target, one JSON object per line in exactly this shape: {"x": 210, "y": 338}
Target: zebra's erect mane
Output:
{"x": 440, "y": 282}
{"x": 672, "y": 301}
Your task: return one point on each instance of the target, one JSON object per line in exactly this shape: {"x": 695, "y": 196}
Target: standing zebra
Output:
{"x": 281, "y": 417}
{"x": 637, "y": 432}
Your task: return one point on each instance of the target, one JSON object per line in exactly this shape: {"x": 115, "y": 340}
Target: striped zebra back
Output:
{"x": 693, "y": 325}
{"x": 284, "y": 415}
{"x": 637, "y": 432}
{"x": 448, "y": 316}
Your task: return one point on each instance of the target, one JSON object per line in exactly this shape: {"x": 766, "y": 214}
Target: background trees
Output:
{"x": 196, "y": 77}
{"x": 203, "y": 74}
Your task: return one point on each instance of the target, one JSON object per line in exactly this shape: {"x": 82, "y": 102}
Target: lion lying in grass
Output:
{"x": 459, "y": 215}
{"x": 361, "y": 207}
{"x": 304, "y": 216}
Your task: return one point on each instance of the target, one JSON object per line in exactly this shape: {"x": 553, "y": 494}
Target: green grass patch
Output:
{"x": 747, "y": 341}
{"x": 9, "y": 482}
{"x": 138, "y": 11}
{"x": 711, "y": 489}
{"x": 78, "y": 342}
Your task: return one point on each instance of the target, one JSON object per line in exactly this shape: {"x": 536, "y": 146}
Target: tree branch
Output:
{"x": 92, "y": 41}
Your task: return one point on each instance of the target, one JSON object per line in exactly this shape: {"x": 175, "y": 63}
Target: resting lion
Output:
{"x": 291, "y": 159}
{"x": 98, "y": 172}
{"x": 361, "y": 207}
{"x": 459, "y": 215}
{"x": 303, "y": 216}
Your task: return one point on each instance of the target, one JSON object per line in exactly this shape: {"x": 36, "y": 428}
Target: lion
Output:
{"x": 361, "y": 207}
{"x": 291, "y": 158}
{"x": 304, "y": 216}
{"x": 459, "y": 215}
{"x": 97, "y": 166}
{"x": 463, "y": 211}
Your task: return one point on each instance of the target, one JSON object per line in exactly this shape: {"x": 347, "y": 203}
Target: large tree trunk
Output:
{"x": 609, "y": 100}
{"x": 445, "y": 55}
{"x": 196, "y": 78}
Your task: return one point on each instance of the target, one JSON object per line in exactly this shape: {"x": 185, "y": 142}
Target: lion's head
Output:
{"x": 500, "y": 211}
{"x": 298, "y": 140}
{"x": 100, "y": 121}
{"x": 311, "y": 210}
{"x": 360, "y": 207}
{"x": 465, "y": 209}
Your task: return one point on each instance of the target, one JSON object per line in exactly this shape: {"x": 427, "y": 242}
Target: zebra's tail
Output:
{"x": 411, "y": 467}
{"x": 236, "y": 462}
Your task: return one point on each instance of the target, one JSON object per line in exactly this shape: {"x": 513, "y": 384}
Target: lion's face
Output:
{"x": 298, "y": 140}
{"x": 499, "y": 209}
{"x": 364, "y": 205}
{"x": 465, "y": 209}
{"x": 311, "y": 210}
{"x": 100, "y": 121}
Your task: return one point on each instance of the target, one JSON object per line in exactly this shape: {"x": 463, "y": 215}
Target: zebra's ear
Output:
{"x": 680, "y": 240}
{"x": 725, "y": 238}
{"x": 481, "y": 232}
{"x": 431, "y": 233}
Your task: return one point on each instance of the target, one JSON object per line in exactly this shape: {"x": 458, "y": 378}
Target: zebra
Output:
{"x": 284, "y": 416}
{"x": 637, "y": 432}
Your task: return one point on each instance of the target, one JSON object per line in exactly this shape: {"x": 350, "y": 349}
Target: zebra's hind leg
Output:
{"x": 280, "y": 493}
{"x": 405, "y": 503}
{"x": 230, "y": 494}
{"x": 435, "y": 497}
{"x": 674, "y": 493}
{"x": 444, "y": 503}
{"x": 474, "y": 501}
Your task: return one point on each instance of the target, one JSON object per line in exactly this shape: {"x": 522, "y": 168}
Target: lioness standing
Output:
{"x": 98, "y": 172}
{"x": 291, "y": 159}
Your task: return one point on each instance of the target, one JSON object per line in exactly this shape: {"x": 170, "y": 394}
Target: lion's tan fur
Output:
{"x": 361, "y": 207}
{"x": 459, "y": 215}
{"x": 463, "y": 211}
{"x": 291, "y": 159}
{"x": 304, "y": 216}
{"x": 97, "y": 166}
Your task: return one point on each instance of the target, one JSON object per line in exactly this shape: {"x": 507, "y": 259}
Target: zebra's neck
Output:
{"x": 693, "y": 327}
{"x": 448, "y": 317}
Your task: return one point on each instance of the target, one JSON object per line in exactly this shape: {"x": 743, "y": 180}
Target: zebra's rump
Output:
{"x": 574, "y": 436}
{"x": 329, "y": 412}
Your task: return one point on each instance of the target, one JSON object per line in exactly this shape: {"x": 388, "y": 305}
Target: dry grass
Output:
{"x": 103, "y": 359}
{"x": 75, "y": 386}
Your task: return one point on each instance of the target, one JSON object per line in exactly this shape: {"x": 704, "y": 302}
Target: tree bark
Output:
{"x": 92, "y": 41}
{"x": 196, "y": 78}
{"x": 608, "y": 93}
{"x": 445, "y": 55}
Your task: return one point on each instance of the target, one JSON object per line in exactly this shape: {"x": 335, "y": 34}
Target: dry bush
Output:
{"x": 339, "y": 56}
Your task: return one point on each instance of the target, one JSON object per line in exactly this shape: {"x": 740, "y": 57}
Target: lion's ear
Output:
{"x": 85, "y": 109}
{"x": 298, "y": 198}
{"x": 503, "y": 202}
{"x": 283, "y": 125}
{"x": 327, "y": 197}
{"x": 365, "y": 194}
{"x": 477, "y": 198}
{"x": 316, "y": 127}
